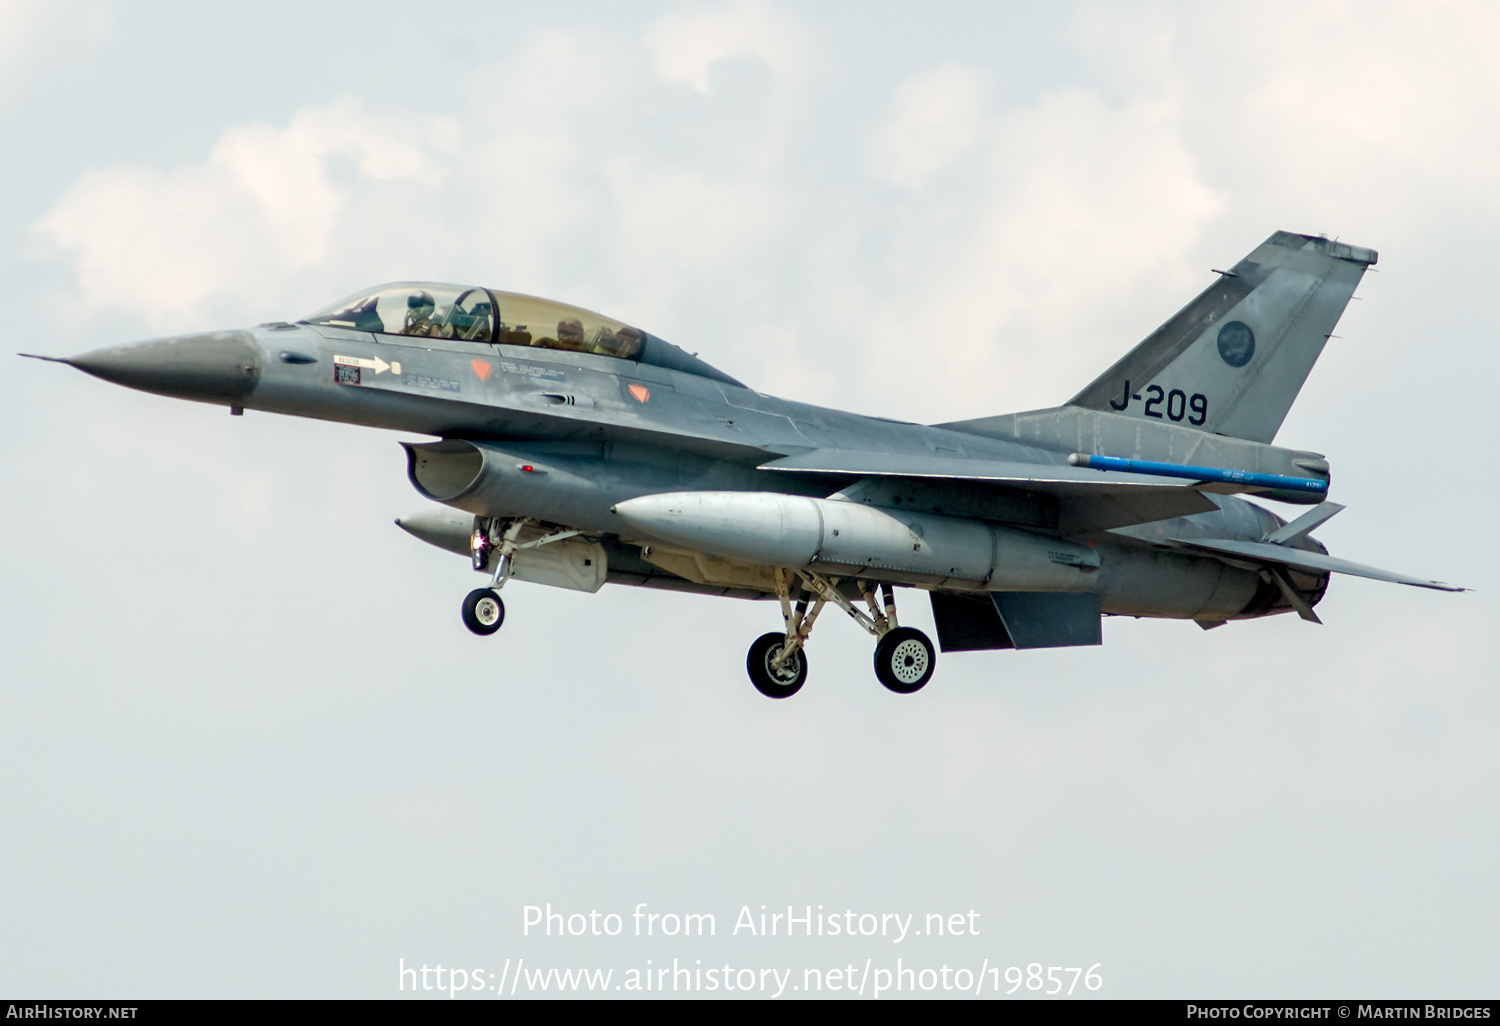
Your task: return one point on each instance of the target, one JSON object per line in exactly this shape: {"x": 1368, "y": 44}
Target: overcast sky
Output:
{"x": 250, "y": 749}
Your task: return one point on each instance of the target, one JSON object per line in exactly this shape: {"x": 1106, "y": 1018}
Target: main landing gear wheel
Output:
{"x": 771, "y": 682}
{"x": 483, "y": 611}
{"x": 904, "y": 660}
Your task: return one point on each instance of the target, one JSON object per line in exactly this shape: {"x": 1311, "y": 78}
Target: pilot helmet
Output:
{"x": 419, "y": 305}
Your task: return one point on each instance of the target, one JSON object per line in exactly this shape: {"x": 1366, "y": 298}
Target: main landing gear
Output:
{"x": 904, "y": 660}
{"x": 777, "y": 663}
{"x": 774, "y": 673}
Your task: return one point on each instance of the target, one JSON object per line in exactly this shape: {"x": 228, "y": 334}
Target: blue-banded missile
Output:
{"x": 1213, "y": 475}
{"x": 795, "y": 531}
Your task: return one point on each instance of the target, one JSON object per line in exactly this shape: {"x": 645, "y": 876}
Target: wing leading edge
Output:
{"x": 1085, "y": 500}
{"x": 1089, "y": 499}
{"x": 1054, "y": 479}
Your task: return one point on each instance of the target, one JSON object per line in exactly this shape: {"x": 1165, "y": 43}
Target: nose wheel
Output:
{"x": 904, "y": 660}
{"x": 483, "y": 611}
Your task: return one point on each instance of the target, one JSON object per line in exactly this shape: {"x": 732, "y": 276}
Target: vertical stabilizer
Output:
{"x": 1233, "y": 360}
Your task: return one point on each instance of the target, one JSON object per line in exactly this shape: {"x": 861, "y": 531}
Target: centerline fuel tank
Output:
{"x": 773, "y": 529}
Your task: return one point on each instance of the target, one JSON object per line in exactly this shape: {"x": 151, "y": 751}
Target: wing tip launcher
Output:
{"x": 1204, "y": 475}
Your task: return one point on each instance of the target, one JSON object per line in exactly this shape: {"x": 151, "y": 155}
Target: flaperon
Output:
{"x": 574, "y": 450}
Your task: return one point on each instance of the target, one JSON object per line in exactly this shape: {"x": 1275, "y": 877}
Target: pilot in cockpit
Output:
{"x": 419, "y": 310}
{"x": 570, "y": 335}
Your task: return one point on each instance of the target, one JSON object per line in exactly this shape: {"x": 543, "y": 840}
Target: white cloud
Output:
{"x": 1346, "y": 116}
{"x": 1009, "y": 278}
{"x": 1407, "y": 95}
{"x": 689, "y": 42}
{"x": 163, "y": 244}
{"x": 1028, "y": 244}
{"x": 536, "y": 182}
{"x": 34, "y": 33}
{"x": 285, "y": 172}
{"x": 547, "y": 182}
{"x": 682, "y": 216}
{"x": 939, "y": 116}
{"x": 18, "y": 22}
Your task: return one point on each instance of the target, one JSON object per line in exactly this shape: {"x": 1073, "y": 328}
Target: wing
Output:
{"x": 1087, "y": 500}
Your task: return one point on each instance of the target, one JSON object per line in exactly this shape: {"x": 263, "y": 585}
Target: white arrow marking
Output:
{"x": 377, "y": 365}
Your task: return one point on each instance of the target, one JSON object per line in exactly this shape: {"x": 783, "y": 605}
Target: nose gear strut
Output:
{"x": 483, "y": 611}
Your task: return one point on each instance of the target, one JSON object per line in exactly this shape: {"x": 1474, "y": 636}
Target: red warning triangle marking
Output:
{"x": 481, "y": 369}
{"x": 641, "y": 393}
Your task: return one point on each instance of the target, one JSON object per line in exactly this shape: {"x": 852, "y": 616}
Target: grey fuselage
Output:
{"x": 562, "y": 437}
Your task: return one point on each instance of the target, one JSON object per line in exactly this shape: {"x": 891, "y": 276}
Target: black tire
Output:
{"x": 770, "y": 683}
{"x": 904, "y": 660}
{"x": 483, "y": 611}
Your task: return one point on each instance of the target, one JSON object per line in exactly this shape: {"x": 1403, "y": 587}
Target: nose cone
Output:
{"x": 220, "y": 367}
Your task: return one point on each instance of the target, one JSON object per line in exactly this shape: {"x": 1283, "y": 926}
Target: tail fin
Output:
{"x": 1233, "y": 360}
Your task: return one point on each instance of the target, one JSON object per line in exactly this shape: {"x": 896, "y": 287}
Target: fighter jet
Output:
{"x": 570, "y": 449}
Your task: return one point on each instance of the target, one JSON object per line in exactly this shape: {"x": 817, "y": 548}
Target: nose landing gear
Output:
{"x": 483, "y": 610}
{"x": 498, "y": 540}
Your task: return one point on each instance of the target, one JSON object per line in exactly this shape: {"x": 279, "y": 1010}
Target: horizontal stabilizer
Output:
{"x": 1299, "y": 559}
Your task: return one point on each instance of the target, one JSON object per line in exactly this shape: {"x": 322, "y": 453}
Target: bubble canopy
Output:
{"x": 487, "y": 317}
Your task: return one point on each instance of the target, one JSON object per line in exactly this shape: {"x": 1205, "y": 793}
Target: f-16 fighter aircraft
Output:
{"x": 574, "y": 450}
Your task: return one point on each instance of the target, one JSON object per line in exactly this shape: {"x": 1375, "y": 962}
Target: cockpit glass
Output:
{"x": 480, "y": 315}
{"x": 529, "y": 321}
{"x": 425, "y": 311}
